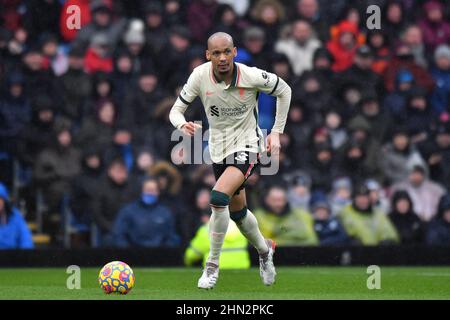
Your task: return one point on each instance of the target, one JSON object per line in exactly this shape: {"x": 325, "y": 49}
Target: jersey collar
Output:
{"x": 235, "y": 78}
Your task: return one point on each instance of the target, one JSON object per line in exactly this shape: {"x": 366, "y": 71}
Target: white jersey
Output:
{"x": 232, "y": 109}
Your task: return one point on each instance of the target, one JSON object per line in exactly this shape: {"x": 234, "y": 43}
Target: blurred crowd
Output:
{"x": 85, "y": 140}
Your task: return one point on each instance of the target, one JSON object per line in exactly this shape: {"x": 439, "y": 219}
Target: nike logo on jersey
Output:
{"x": 241, "y": 157}
{"x": 209, "y": 93}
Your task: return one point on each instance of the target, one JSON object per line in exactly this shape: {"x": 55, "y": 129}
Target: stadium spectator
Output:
{"x": 14, "y": 232}
{"x": 340, "y": 195}
{"x": 395, "y": 102}
{"x": 114, "y": 191}
{"x": 53, "y": 54}
{"x": 366, "y": 224}
{"x": 98, "y": 129}
{"x": 74, "y": 86}
{"x": 438, "y": 232}
{"x": 440, "y": 100}
{"x": 227, "y": 20}
{"x": 412, "y": 37}
{"x": 98, "y": 58}
{"x": 41, "y": 17}
{"x": 39, "y": 134}
{"x": 328, "y": 228}
{"x": 380, "y": 122}
{"x": 310, "y": 11}
{"x": 122, "y": 146}
{"x": 299, "y": 191}
{"x": 84, "y": 186}
{"x": 377, "y": 40}
{"x": 310, "y": 89}
{"x": 155, "y": 30}
{"x": 123, "y": 77}
{"x": 15, "y": 111}
{"x": 134, "y": 44}
{"x": 102, "y": 23}
{"x": 235, "y": 253}
{"x": 360, "y": 71}
{"x": 15, "y": 114}
{"x": 268, "y": 15}
{"x": 39, "y": 78}
{"x": 436, "y": 151}
{"x": 345, "y": 39}
{"x": 322, "y": 62}
{"x": 436, "y": 30}
{"x": 239, "y": 6}
{"x": 399, "y": 155}
{"x": 410, "y": 228}
{"x": 145, "y": 222}
{"x": 395, "y": 19}
{"x": 172, "y": 60}
{"x": 174, "y": 12}
{"x": 378, "y": 196}
{"x": 285, "y": 225}
{"x": 404, "y": 60}
{"x": 300, "y": 128}
{"x": 299, "y": 47}
{"x": 140, "y": 103}
{"x": 322, "y": 167}
{"x": 424, "y": 193}
{"x": 336, "y": 131}
{"x": 200, "y": 14}
{"x": 56, "y": 166}
{"x": 418, "y": 116}
{"x": 253, "y": 50}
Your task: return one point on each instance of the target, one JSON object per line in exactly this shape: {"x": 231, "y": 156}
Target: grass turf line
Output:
{"x": 181, "y": 283}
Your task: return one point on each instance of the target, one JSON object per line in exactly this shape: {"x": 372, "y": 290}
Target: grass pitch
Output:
{"x": 180, "y": 283}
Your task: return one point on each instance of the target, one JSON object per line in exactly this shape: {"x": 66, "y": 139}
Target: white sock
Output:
{"x": 249, "y": 228}
{"x": 218, "y": 226}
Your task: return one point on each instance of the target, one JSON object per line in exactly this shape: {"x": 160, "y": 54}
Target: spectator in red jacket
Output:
{"x": 404, "y": 60}
{"x": 97, "y": 57}
{"x": 345, "y": 39}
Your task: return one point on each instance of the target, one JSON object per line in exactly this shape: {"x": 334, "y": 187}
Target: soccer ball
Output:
{"x": 116, "y": 277}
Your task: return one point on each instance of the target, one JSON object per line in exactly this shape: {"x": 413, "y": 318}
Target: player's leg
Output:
{"x": 228, "y": 182}
{"x": 248, "y": 225}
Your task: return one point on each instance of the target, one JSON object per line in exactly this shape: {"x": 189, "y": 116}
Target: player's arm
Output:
{"x": 273, "y": 85}
{"x": 189, "y": 92}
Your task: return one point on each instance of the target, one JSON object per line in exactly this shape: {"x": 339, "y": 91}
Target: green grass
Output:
{"x": 292, "y": 283}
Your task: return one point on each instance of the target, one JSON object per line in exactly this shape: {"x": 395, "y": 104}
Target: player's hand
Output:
{"x": 273, "y": 144}
{"x": 190, "y": 127}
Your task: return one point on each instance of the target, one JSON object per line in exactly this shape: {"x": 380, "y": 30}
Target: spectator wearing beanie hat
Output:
{"x": 328, "y": 228}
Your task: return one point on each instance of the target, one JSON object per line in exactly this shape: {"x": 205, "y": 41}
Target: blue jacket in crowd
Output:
{"x": 330, "y": 232}
{"x": 439, "y": 229}
{"x": 15, "y": 233}
{"x": 138, "y": 224}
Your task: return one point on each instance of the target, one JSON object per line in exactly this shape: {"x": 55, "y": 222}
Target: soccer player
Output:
{"x": 229, "y": 93}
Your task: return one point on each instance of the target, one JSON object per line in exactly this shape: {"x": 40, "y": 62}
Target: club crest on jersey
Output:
{"x": 241, "y": 157}
{"x": 266, "y": 77}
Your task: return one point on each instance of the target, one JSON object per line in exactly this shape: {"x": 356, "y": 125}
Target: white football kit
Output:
{"x": 232, "y": 109}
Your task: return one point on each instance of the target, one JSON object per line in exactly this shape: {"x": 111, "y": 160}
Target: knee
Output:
{"x": 238, "y": 215}
{"x": 219, "y": 199}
